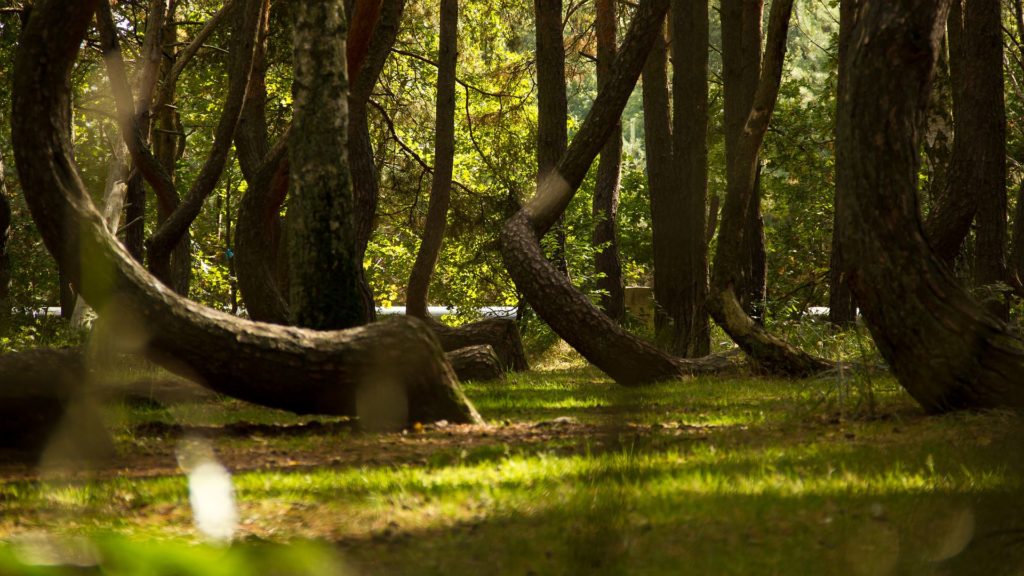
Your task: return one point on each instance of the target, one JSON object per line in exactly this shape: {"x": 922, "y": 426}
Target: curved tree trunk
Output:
{"x": 731, "y": 264}
{"x": 627, "y": 359}
{"x": 395, "y": 365}
{"x": 444, "y": 164}
{"x": 944, "y": 348}
{"x": 609, "y": 173}
{"x": 476, "y": 363}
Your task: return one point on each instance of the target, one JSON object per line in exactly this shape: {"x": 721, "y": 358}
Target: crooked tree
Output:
{"x": 946, "y": 349}
{"x": 330, "y": 372}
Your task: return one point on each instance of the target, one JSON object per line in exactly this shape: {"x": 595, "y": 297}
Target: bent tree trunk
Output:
{"x": 328, "y": 372}
{"x": 627, "y": 359}
{"x": 731, "y": 259}
{"x": 944, "y": 348}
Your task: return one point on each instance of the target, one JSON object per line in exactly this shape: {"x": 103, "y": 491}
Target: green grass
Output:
{"x": 575, "y": 476}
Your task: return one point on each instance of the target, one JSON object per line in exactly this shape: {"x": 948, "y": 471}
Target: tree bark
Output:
{"x": 325, "y": 272}
{"x": 667, "y": 208}
{"x": 842, "y": 310}
{"x": 741, "y": 71}
{"x": 552, "y": 106}
{"x": 5, "y": 258}
{"x": 690, "y": 23}
{"x": 501, "y": 334}
{"x": 609, "y": 173}
{"x": 731, "y": 264}
{"x": 987, "y": 145}
{"x": 476, "y": 363}
{"x": 627, "y": 359}
{"x": 444, "y": 164}
{"x": 945, "y": 349}
{"x": 371, "y": 59}
{"x": 166, "y": 143}
{"x": 394, "y": 364}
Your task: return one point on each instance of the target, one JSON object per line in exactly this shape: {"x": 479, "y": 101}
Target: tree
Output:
{"x": 731, "y": 258}
{"x": 741, "y": 73}
{"x": 135, "y": 127}
{"x": 5, "y": 259}
{"x": 325, "y": 290}
{"x": 627, "y": 359}
{"x": 689, "y": 24}
{"x": 945, "y": 349}
{"x": 677, "y": 178}
{"x": 444, "y": 159}
{"x": 331, "y": 372}
{"x": 552, "y": 104}
{"x": 609, "y": 168}
{"x": 976, "y": 184}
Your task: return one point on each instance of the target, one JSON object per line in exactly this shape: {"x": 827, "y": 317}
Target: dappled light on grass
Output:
{"x": 721, "y": 476}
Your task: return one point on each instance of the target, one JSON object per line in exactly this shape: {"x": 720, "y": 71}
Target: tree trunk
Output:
{"x": 944, "y": 348}
{"x": 552, "y": 106}
{"x": 476, "y": 363}
{"x": 627, "y": 359}
{"x": 987, "y": 144}
{"x": 741, "y": 71}
{"x": 731, "y": 270}
{"x": 689, "y": 25}
{"x": 365, "y": 180}
{"x": 165, "y": 148}
{"x": 5, "y": 258}
{"x": 606, "y": 190}
{"x": 325, "y": 291}
{"x": 842, "y": 310}
{"x": 501, "y": 334}
{"x": 444, "y": 164}
{"x": 667, "y": 208}
{"x": 953, "y": 207}
{"x": 388, "y": 372}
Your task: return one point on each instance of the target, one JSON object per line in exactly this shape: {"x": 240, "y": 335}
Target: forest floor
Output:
{"x": 572, "y": 474}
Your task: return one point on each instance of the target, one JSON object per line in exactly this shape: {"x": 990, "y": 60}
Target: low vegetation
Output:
{"x": 572, "y": 474}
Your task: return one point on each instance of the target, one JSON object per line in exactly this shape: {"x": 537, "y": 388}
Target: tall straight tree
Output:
{"x": 552, "y": 104}
{"x": 741, "y": 71}
{"x": 444, "y": 163}
{"x": 677, "y": 180}
{"x": 982, "y": 30}
{"x": 948, "y": 351}
{"x": 842, "y": 310}
{"x": 325, "y": 290}
{"x": 689, "y": 26}
{"x": 609, "y": 174}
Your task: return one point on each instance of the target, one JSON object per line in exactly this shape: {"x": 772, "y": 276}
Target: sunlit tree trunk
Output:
{"x": 325, "y": 291}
